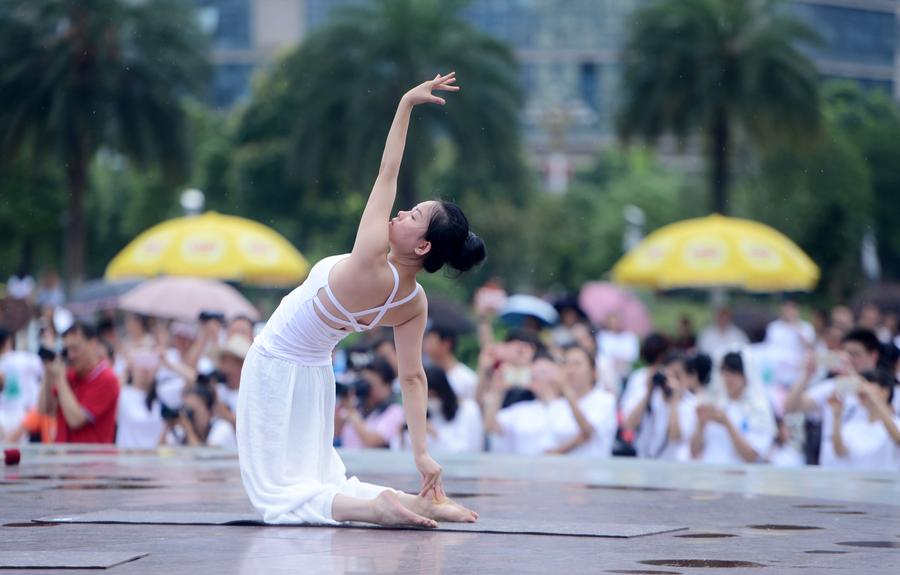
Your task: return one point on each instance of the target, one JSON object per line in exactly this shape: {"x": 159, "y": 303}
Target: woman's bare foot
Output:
{"x": 390, "y": 511}
{"x": 444, "y": 510}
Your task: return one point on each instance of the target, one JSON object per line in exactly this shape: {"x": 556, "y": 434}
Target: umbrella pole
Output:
{"x": 718, "y": 297}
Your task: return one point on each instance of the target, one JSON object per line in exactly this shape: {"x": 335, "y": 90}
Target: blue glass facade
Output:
{"x": 850, "y": 34}
{"x": 228, "y": 21}
{"x": 568, "y": 49}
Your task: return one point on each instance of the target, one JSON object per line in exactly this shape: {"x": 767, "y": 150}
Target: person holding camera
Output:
{"x": 871, "y": 442}
{"x": 737, "y": 425}
{"x": 139, "y": 412}
{"x": 508, "y": 366}
{"x": 206, "y": 345}
{"x": 666, "y": 416}
{"x": 523, "y": 428}
{"x": 195, "y": 424}
{"x": 583, "y": 419}
{"x": 83, "y": 398}
{"x": 369, "y": 416}
{"x": 861, "y": 353}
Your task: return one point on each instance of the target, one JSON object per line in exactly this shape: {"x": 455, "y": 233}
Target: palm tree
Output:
{"x": 76, "y": 76}
{"x": 332, "y": 99}
{"x": 721, "y": 67}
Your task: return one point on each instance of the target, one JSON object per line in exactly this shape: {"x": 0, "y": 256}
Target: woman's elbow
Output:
{"x": 412, "y": 380}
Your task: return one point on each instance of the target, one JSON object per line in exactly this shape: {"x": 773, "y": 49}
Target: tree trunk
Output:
{"x": 406, "y": 180}
{"x": 720, "y": 142}
{"x": 76, "y": 177}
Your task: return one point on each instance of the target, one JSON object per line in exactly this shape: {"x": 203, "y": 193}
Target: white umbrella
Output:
{"x": 518, "y": 307}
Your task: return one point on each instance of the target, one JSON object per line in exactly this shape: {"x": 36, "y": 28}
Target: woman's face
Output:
{"x": 734, "y": 384}
{"x": 133, "y": 326}
{"x": 578, "y": 370}
{"x": 406, "y": 231}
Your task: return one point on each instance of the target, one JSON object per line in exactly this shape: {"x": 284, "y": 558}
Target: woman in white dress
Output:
{"x": 286, "y": 404}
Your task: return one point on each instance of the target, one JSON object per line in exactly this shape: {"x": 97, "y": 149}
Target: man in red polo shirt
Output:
{"x": 84, "y": 397}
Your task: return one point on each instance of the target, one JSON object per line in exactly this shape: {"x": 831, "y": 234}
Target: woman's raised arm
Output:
{"x": 372, "y": 236}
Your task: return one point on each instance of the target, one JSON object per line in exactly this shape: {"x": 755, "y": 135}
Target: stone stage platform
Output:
{"x": 702, "y": 519}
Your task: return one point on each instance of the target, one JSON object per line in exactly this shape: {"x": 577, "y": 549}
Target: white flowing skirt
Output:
{"x": 285, "y": 429}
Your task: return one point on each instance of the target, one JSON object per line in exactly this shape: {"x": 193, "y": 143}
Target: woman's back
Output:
{"x": 311, "y": 320}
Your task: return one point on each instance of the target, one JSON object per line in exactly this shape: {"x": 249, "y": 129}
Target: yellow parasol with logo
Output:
{"x": 718, "y": 251}
{"x": 212, "y": 245}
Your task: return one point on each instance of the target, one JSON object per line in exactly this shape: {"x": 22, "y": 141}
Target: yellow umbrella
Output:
{"x": 212, "y": 245}
{"x": 718, "y": 251}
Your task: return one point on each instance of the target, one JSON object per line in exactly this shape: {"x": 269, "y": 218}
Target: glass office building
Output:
{"x": 568, "y": 51}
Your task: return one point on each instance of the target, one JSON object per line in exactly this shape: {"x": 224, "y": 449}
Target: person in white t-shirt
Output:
{"x": 440, "y": 347}
{"x": 583, "y": 419}
{"x": 654, "y": 350}
{"x": 454, "y": 424}
{"x": 139, "y": 420}
{"x": 871, "y": 442}
{"x": 789, "y": 340}
{"x": 230, "y": 363}
{"x": 738, "y": 425}
{"x": 621, "y": 346}
{"x": 861, "y": 352}
{"x": 721, "y": 334}
{"x": 524, "y": 427}
{"x": 21, "y": 373}
{"x": 665, "y": 416}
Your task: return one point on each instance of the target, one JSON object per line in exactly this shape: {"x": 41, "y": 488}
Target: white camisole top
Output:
{"x": 296, "y": 333}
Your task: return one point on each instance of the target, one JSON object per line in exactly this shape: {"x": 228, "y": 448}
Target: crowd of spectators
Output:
{"x": 821, "y": 393}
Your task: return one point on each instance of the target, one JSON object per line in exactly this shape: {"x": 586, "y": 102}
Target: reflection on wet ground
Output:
{"x": 765, "y": 521}
{"x": 872, "y": 544}
{"x": 701, "y": 563}
{"x": 775, "y": 527}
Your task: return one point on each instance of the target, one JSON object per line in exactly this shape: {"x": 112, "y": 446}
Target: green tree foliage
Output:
{"x": 577, "y": 237}
{"x": 79, "y": 76}
{"x": 723, "y": 68}
{"x": 871, "y": 120}
{"x": 310, "y": 141}
{"x": 30, "y": 210}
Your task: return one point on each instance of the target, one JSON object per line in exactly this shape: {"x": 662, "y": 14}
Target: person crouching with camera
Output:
{"x": 665, "y": 417}
{"x": 81, "y": 393}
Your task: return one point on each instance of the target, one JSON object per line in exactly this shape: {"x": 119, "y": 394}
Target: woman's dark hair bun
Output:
{"x": 451, "y": 241}
{"x": 472, "y": 253}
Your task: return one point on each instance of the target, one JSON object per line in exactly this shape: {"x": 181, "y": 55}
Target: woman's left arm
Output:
{"x": 408, "y": 338}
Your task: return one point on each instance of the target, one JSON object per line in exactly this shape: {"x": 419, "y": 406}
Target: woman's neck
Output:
{"x": 407, "y": 266}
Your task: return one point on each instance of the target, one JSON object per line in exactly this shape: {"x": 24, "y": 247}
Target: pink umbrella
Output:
{"x": 178, "y": 297}
{"x": 600, "y": 299}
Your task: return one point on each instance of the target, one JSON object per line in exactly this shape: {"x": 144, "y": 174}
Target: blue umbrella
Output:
{"x": 518, "y": 307}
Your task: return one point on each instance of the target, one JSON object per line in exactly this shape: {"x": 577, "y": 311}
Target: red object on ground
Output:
{"x": 12, "y": 456}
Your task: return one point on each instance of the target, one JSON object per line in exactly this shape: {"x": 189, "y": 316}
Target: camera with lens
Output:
{"x": 48, "y": 354}
{"x": 169, "y": 414}
{"x": 660, "y": 381}
{"x": 207, "y": 315}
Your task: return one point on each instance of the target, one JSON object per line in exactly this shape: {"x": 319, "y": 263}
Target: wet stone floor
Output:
{"x": 747, "y": 519}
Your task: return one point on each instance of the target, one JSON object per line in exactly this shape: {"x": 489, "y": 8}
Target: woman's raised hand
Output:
{"x": 421, "y": 94}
